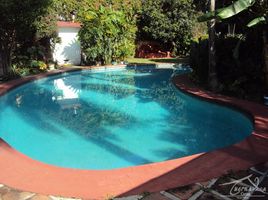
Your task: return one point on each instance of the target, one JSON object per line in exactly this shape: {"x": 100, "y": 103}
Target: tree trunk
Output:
{"x": 6, "y": 46}
{"x": 212, "y": 75}
{"x": 5, "y": 62}
{"x": 265, "y": 54}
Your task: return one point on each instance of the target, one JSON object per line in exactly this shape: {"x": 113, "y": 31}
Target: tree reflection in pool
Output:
{"x": 114, "y": 119}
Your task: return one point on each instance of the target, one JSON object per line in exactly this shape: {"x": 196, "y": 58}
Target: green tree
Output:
{"x": 169, "y": 22}
{"x": 17, "y": 26}
{"x": 46, "y": 27}
{"x": 106, "y": 35}
{"x": 65, "y": 8}
{"x": 257, "y": 14}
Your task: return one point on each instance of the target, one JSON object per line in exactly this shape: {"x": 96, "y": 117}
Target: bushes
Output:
{"x": 109, "y": 31}
{"x": 24, "y": 67}
{"x": 28, "y": 61}
{"x": 106, "y": 36}
{"x": 239, "y": 75}
{"x": 169, "y": 22}
{"x": 199, "y": 60}
{"x": 18, "y": 26}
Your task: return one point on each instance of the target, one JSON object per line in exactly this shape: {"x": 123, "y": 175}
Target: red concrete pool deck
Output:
{"x": 24, "y": 173}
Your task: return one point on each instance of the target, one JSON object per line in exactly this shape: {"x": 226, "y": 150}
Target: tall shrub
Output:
{"x": 18, "y": 26}
{"x": 169, "y": 22}
{"x": 106, "y": 35}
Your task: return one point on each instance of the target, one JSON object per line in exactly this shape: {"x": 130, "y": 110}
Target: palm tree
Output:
{"x": 212, "y": 75}
{"x": 265, "y": 54}
{"x": 232, "y": 10}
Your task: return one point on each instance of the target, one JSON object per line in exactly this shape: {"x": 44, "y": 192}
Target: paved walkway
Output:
{"x": 248, "y": 182}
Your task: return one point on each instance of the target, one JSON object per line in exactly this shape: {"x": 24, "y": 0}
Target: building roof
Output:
{"x": 68, "y": 24}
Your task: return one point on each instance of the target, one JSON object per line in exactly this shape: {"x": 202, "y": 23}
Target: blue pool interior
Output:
{"x": 114, "y": 118}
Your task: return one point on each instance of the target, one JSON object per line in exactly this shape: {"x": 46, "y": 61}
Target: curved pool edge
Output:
{"x": 12, "y": 84}
{"x": 21, "y": 172}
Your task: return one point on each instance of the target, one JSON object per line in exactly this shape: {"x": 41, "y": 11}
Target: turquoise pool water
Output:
{"x": 113, "y": 119}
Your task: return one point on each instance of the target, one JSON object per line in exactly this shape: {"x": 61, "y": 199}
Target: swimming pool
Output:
{"x": 114, "y": 119}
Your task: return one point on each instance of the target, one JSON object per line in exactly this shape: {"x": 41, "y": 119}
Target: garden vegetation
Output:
{"x": 110, "y": 29}
{"x": 234, "y": 52}
{"x": 241, "y": 50}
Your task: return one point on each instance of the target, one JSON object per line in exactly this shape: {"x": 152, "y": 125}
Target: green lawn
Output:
{"x": 158, "y": 60}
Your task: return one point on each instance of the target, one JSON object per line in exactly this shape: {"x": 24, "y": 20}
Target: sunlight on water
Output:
{"x": 114, "y": 119}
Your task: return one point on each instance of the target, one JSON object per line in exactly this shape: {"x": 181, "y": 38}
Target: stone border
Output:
{"x": 24, "y": 173}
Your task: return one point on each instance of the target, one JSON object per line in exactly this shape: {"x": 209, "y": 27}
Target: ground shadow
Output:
{"x": 242, "y": 155}
{"x": 206, "y": 166}
{"x": 182, "y": 60}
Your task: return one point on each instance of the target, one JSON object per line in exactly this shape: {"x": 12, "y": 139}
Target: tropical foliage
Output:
{"x": 169, "y": 22}
{"x": 109, "y": 30}
{"x": 237, "y": 7}
{"x": 18, "y": 26}
{"x": 107, "y": 35}
{"x": 66, "y": 8}
{"x": 240, "y": 50}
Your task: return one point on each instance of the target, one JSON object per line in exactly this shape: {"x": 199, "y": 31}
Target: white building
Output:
{"x": 68, "y": 51}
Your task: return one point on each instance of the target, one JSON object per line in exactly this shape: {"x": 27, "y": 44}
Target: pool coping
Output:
{"x": 21, "y": 172}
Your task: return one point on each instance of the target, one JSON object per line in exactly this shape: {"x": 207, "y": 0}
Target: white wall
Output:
{"x": 69, "y": 48}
